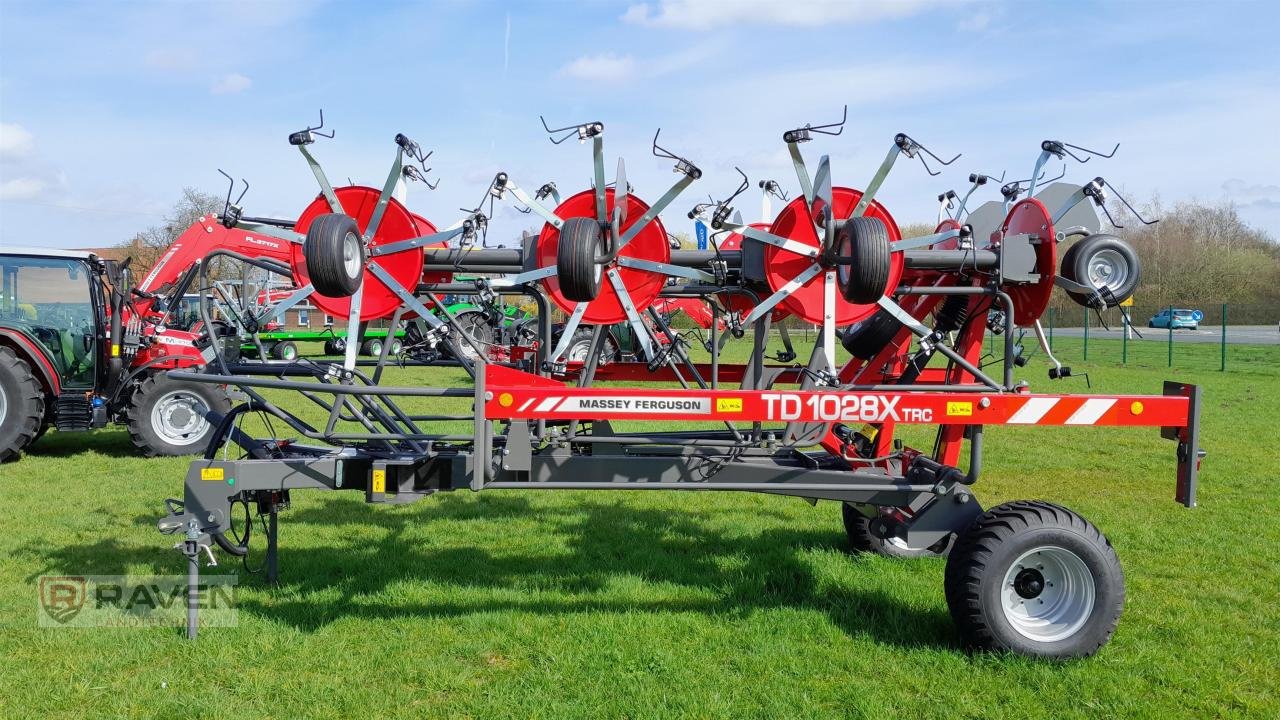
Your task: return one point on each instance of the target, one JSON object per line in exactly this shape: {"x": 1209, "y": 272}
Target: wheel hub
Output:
{"x": 1048, "y": 593}
{"x": 179, "y": 419}
{"x": 1028, "y": 583}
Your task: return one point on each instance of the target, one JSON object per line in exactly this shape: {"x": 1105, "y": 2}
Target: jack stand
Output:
{"x": 191, "y": 548}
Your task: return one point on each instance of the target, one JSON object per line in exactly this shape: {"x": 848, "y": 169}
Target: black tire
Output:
{"x": 396, "y": 346}
{"x": 335, "y": 255}
{"x": 865, "y": 339}
{"x": 285, "y": 350}
{"x": 372, "y": 347}
{"x": 580, "y": 346}
{"x": 335, "y": 346}
{"x": 864, "y": 241}
{"x": 22, "y": 405}
{"x": 1028, "y": 541}
{"x": 858, "y": 527}
{"x": 168, "y": 417}
{"x": 472, "y": 324}
{"x": 1126, "y": 268}
{"x": 581, "y": 241}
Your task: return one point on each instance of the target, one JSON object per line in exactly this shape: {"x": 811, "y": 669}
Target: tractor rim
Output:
{"x": 1107, "y": 268}
{"x": 1048, "y": 594}
{"x": 351, "y": 254}
{"x": 178, "y": 417}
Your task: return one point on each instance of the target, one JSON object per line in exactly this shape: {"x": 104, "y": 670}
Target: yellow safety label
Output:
{"x": 379, "y": 481}
{"x": 959, "y": 409}
{"x": 728, "y": 405}
{"x": 212, "y": 473}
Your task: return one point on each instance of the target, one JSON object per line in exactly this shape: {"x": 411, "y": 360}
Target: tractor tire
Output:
{"x": 858, "y": 527}
{"x": 864, "y": 242}
{"x": 372, "y": 347}
{"x": 580, "y": 347}
{"x": 169, "y": 417}
{"x": 285, "y": 350}
{"x": 1102, "y": 260}
{"x": 335, "y": 255}
{"x": 864, "y": 340}
{"x": 581, "y": 241}
{"x": 474, "y": 325}
{"x": 22, "y": 405}
{"x": 1037, "y": 579}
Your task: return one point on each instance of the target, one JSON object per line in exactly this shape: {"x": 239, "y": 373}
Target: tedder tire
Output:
{"x": 335, "y": 255}
{"x": 858, "y": 527}
{"x": 865, "y": 339}
{"x": 864, "y": 242}
{"x": 581, "y": 241}
{"x": 169, "y": 417}
{"x": 1036, "y": 579}
{"x": 1099, "y": 261}
{"x": 285, "y": 350}
{"x": 21, "y": 405}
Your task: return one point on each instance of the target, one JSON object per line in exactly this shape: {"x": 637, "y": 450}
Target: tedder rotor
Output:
{"x": 1030, "y": 576}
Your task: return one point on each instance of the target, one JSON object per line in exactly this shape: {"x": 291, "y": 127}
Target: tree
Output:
{"x": 147, "y": 246}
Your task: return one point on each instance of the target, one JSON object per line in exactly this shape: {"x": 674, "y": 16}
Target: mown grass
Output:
{"x": 655, "y": 605}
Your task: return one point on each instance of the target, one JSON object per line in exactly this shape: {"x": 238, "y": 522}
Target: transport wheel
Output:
{"x": 1100, "y": 261}
{"x": 334, "y": 253}
{"x": 475, "y": 326}
{"x": 1036, "y": 579}
{"x": 864, "y": 339}
{"x": 169, "y": 417}
{"x": 858, "y": 527}
{"x": 581, "y": 241}
{"x": 865, "y": 242}
{"x": 286, "y": 350}
{"x": 21, "y": 405}
{"x": 396, "y": 346}
{"x": 372, "y": 347}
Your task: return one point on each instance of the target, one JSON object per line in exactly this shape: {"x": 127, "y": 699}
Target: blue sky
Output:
{"x": 110, "y": 108}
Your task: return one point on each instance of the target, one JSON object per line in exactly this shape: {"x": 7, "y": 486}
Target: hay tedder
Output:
{"x": 912, "y": 314}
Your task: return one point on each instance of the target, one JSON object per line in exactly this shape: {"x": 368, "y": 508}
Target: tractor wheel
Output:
{"x": 21, "y": 405}
{"x": 865, "y": 339}
{"x": 285, "y": 350}
{"x": 1036, "y": 579}
{"x": 864, "y": 243}
{"x": 335, "y": 255}
{"x": 474, "y": 325}
{"x": 858, "y": 527}
{"x": 581, "y": 241}
{"x": 1100, "y": 261}
{"x": 372, "y": 347}
{"x": 580, "y": 347}
{"x": 169, "y": 417}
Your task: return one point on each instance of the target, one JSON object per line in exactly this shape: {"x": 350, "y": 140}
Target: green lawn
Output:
{"x": 603, "y": 605}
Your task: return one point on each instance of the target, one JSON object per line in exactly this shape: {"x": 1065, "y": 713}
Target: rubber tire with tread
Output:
{"x": 581, "y": 241}
{"x": 335, "y": 346}
{"x": 281, "y": 350}
{"x": 858, "y": 528}
{"x": 323, "y": 251}
{"x": 475, "y": 325}
{"x": 865, "y": 242}
{"x": 981, "y": 556}
{"x": 582, "y": 339}
{"x": 1075, "y": 265}
{"x": 23, "y": 422}
{"x": 138, "y": 414}
{"x": 371, "y": 347}
{"x": 865, "y": 339}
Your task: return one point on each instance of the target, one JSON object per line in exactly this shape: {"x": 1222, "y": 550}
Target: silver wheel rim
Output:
{"x": 1061, "y": 603}
{"x": 351, "y": 255}
{"x": 577, "y": 352}
{"x": 1107, "y": 268}
{"x": 178, "y": 417}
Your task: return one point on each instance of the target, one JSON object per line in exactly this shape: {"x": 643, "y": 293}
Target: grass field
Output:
{"x": 662, "y": 605}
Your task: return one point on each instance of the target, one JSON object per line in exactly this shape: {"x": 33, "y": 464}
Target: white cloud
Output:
{"x": 703, "y": 14}
{"x": 606, "y": 66}
{"x": 231, "y": 84}
{"x": 15, "y": 141}
{"x": 21, "y": 188}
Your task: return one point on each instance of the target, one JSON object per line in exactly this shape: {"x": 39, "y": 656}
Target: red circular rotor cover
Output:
{"x": 1030, "y": 217}
{"x": 397, "y": 224}
{"x": 782, "y": 266}
{"x": 643, "y": 285}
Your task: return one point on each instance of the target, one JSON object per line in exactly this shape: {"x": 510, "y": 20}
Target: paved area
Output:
{"x": 1236, "y": 334}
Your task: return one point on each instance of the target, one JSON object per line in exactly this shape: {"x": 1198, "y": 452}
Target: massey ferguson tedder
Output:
{"x": 1031, "y": 577}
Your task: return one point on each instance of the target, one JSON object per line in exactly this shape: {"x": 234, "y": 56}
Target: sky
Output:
{"x": 109, "y": 109}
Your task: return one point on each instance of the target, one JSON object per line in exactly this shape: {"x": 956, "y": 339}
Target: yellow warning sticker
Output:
{"x": 379, "y": 481}
{"x": 959, "y": 409}
{"x": 729, "y": 405}
{"x": 212, "y": 473}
